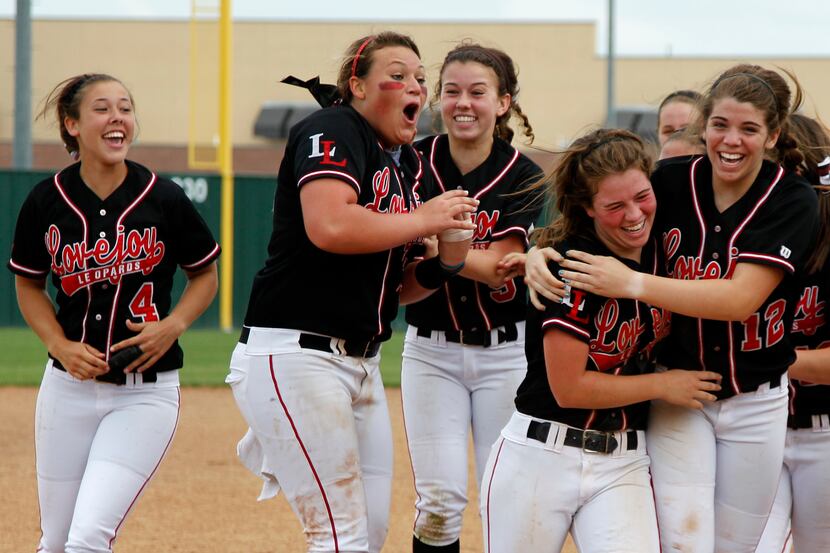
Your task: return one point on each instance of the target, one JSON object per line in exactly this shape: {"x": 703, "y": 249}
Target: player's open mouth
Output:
{"x": 635, "y": 228}
{"x": 463, "y": 118}
{"x": 115, "y": 138}
{"x": 730, "y": 160}
{"x": 410, "y": 112}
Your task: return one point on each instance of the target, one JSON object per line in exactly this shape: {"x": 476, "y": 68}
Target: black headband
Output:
{"x": 751, "y": 76}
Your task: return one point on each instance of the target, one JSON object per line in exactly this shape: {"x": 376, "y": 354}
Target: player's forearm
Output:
{"x": 716, "y": 299}
{"x": 812, "y": 365}
{"x": 595, "y": 390}
{"x": 196, "y": 298}
{"x": 353, "y": 229}
{"x": 411, "y": 290}
{"x": 38, "y": 312}
{"x": 481, "y": 266}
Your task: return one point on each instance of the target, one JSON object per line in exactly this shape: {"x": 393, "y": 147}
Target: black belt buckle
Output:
{"x": 598, "y": 442}
{"x": 474, "y": 338}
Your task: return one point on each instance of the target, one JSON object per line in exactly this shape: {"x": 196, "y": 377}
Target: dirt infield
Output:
{"x": 202, "y": 499}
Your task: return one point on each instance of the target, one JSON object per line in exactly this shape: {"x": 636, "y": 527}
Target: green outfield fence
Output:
{"x": 253, "y": 204}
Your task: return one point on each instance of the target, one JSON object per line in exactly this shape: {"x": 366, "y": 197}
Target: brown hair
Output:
{"x": 769, "y": 93}
{"x": 690, "y": 97}
{"x": 66, "y": 99}
{"x": 575, "y": 177}
{"x": 814, "y": 142}
{"x": 358, "y": 58}
{"x": 508, "y": 83}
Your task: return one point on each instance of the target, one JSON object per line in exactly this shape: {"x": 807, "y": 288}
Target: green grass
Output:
{"x": 206, "y": 354}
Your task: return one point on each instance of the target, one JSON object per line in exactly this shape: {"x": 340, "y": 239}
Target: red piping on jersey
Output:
{"x": 590, "y": 419}
{"x": 320, "y": 174}
{"x": 449, "y": 306}
{"x": 786, "y": 264}
{"x": 696, "y": 205}
{"x": 205, "y": 258}
{"x": 733, "y": 370}
{"x": 500, "y": 175}
{"x": 80, "y": 214}
{"x": 383, "y": 293}
{"x": 147, "y": 481}
{"x": 481, "y": 307}
{"x": 119, "y": 227}
{"x": 305, "y": 452}
{"x": 517, "y": 230}
{"x": 761, "y": 201}
{"x": 432, "y": 164}
{"x": 27, "y": 270}
{"x": 560, "y": 322}
{"x": 490, "y": 487}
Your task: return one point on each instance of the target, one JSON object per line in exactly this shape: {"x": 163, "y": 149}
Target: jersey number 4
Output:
{"x": 142, "y": 305}
{"x": 773, "y": 316}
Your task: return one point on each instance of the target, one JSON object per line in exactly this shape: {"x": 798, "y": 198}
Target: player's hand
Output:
{"x": 539, "y": 279}
{"x": 154, "y": 339}
{"x": 511, "y": 265}
{"x": 430, "y": 246}
{"x": 600, "y": 275}
{"x": 441, "y": 212}
{"x": 80, "y": 360}
{"x": 689, "y": 388}
{"x": 453, "y": 244}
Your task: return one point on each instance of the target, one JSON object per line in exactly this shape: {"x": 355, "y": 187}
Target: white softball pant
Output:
{"x": 319, "y": 428}
{"x": 534, "y": 493}
{"x": 803, "y": 493}
{"x": 715, "y": 470}
{"x": 446, "y": 388}
{"x": 97, "y": 447}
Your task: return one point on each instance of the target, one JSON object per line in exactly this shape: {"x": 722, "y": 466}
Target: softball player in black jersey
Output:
{"x": 111, "y": 233}
{"x": 463, "y": 354}
{"x": 573, "y": 456}
{"x": 305, "y": 373}
{"x": 735, "y": 230}
{"x": 799, "y": 515}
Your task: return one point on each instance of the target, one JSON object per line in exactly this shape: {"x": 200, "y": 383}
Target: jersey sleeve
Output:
{"x": 29, "y": 257}
{"x": 330, "y": 145}
{"x": 522, "y": 203}
{"x": 782, "y": 233}
{"x": 195, "y": 245}
{"x": 574, "y": 315}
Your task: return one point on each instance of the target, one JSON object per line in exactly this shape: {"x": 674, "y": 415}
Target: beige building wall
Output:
{"x": 562, "y": 80}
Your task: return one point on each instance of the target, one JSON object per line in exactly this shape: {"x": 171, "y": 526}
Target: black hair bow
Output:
{"x": 325, "y": 94}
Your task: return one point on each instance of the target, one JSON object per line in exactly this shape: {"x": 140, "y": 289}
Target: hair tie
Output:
{"x": 325, "y": 94}
{"x": 357, "y": 55}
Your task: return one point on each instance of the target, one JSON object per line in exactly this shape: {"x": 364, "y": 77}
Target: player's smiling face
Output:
{"x": 470, "y": 101}
{"x": 392, "y": 94}
{"x": 736, "y": 139}
{"x": 623, "y": 211}
{"x": 105, "y": 124}
{"x": 673, "y": 117}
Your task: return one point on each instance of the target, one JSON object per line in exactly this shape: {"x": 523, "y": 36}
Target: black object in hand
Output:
{"x": 120, "y": 360}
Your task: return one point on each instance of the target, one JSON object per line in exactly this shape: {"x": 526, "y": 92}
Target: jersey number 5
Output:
{"x": 505, "y": 293}
{"x": 142, "y": 305}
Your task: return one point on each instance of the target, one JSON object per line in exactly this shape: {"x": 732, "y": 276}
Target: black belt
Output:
{"x": 113, "y": 377}
{"x": 802, "y": 420}
{"x": 507, "y": 333}
{"x": 352, "y": 348}
{"x": 589, "y": 440}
